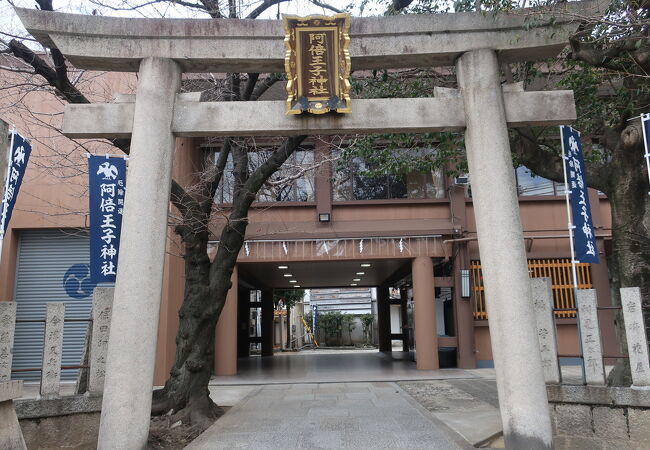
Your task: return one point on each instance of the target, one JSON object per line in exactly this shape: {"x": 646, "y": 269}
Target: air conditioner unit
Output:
{"x": 462, "y": 179}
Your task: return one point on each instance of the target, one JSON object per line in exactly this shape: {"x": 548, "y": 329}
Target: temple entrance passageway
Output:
{"x": 398, "y": 345}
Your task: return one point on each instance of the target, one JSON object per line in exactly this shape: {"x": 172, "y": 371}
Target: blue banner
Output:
{"x": 106, "y": 184}
{"x": 584, "y": 237}
{"x": 19, "y": 157}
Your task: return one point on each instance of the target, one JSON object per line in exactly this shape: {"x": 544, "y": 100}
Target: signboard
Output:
{"x": 18, "y": 158}
{"x": 106, "y": 184}
{"x": 585, "y": 248}
{"x": 317, "y": 63}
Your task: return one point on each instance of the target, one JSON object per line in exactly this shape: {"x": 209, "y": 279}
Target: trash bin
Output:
{"x": 447, "y": 357}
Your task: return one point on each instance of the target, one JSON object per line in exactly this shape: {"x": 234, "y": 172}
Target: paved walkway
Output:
{"x": 376, "y": 415}
{"x": 342, "y": 399}
{"x": 337, "y": 366}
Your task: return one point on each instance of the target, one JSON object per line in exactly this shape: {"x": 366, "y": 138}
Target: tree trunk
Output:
{"x": 206, "y": 287}
{"x": 630, "y": 257}
{"x": 187, "y": 387}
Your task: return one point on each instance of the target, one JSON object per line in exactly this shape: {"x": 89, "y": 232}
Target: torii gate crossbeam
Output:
{"x": 445, "y": 112}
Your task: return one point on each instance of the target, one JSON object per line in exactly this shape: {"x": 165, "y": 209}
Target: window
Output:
{"x": 529, "y": 184}
{"x": 352, "y": 184}
{"x": 294, "y": 182}
{"x": 426, "y": 185}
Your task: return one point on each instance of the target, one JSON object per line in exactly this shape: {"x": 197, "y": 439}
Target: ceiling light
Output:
{"x": 366, "y": 265}
{"x": 283, "y": 267}
{"x": 356, "y": 279}
{"x": 361, "y": 273}
{"x": 297, "y": 285}
{"x": 287, "y": 275}
{"x": 353, "y": 284}
{"x": 292, "y": 281}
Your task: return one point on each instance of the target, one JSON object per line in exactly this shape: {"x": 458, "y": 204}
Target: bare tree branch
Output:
{"x": 212, "y": 8}
{"x": 264, "y": 86}
{"x": 106, "y": 5}
{"x": 218, "y": 173}
{"x": 250, "y": 86}
{"x": 327, "y": 6}
{"x": 266, "y": 4}
{"x": 279, "y": 156}
{"x": 57, "y": 78}
{"x": 301, "y": 171}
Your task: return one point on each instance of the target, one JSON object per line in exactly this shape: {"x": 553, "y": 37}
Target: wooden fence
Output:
{"x": 558, "y": 270}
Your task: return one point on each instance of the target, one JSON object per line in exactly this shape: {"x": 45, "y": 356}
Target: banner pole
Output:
{"x": 645, "y": 118}
{"x": 3, "y": 214}
{"x": 571, "y": 227}
{"x": 568, "y": 212}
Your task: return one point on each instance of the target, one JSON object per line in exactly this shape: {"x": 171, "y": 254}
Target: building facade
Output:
{"x": 330, "y": 228}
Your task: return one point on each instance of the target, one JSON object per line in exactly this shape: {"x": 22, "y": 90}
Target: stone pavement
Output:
{"x": 337, "y": 366}
{"x": 469, "y": 407}
{"x": 377, "y": 415}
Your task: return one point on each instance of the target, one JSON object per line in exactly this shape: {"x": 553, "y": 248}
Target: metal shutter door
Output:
{"x": 52, "y": 266}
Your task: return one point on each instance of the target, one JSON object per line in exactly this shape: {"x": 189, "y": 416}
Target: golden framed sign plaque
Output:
{"x": 317, "y": 63}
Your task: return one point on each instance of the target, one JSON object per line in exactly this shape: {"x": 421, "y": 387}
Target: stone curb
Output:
{"x": 41, "y": 408}
{"x": 598, "y": 395}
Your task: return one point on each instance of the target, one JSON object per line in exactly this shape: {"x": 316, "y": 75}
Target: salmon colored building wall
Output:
{"x": 53, "y": 190}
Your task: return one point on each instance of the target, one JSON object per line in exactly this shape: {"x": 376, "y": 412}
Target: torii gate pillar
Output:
{"x": 520, "y": 381}
{"x": 126, "y": 405}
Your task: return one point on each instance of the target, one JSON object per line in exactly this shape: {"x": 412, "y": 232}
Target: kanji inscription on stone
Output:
{"x": 637, "y": 342}
{"x": 543, "y": 303}
{"x": 592, "y": 352}
{"x": 52, "y": 350}
{"x": 102, "y": 308}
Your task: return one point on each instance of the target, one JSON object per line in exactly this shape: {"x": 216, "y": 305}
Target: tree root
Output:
{"x": 202, "y": 411}
{"x": 199, "y": 410}
{"x": 160, "y": 403}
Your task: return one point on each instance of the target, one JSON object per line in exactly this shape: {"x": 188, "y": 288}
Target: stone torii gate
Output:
{"x": 160, "y": 50}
